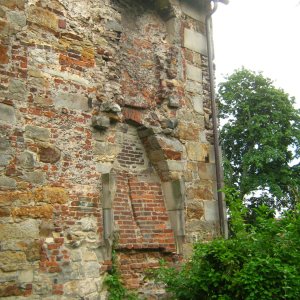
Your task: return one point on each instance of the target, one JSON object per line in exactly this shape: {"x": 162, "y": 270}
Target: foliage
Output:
{"x": 260, "y": 261}
{"x": 260, "y": 139}
{"x": 117, "y": 291}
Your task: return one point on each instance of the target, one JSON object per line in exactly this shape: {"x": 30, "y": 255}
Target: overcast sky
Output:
{"x": 262, "y": 35}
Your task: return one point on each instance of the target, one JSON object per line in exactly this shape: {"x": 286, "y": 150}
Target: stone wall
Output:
{"x": 105, "y": 142}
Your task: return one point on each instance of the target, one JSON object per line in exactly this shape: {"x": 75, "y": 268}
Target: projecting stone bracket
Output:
{"x": 174, "y": 194}
{"x": 108, "y": 195}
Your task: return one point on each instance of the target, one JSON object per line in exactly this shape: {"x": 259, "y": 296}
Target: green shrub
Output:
{"x": 260, "y": 261}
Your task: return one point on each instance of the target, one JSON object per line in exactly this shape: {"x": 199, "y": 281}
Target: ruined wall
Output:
{"x": 105, "y": 142}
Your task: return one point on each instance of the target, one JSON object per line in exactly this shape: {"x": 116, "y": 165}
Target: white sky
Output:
{"x": 262, "y": 35}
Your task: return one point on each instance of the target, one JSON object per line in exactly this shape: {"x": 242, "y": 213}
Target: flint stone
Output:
{"x": 37, "y": 133}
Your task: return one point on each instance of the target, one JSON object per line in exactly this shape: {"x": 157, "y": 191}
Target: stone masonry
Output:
{"x": 105, "y": 143}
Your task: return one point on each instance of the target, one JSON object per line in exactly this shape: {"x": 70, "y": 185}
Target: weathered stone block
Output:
{"x": 36, "y": 212}
{"x": 188, "y": 131}
{"x": 42, "y": 17}
{"x": 7, "y": 114}
{"x": 72, "y": 101}
{"x": 195, "y": 210}
{"x": 197, "y": 101}
{"x": 27, "y": 160}
{"x": 193, "y": 10}
{"x": 207, "y": 171}
{"x": 12, "y": 261}
{"x": 25, "y": 276}
{"x": 193, "y": 73}
{"x": 197, "y": 151}
{"x": 44, "y": 194}
{"x": 100, "y": 122}
{"x": 195, "y": 41}
{"x": 17, "y": 89}
{"x": 5, "y": 159}
{"x": 33, "y": 251}
{"x": 49, "y": 154}
{"x": 211, "y": 212}
{"x": 106, "y": 151}
{"x": 12, "y": 4}
{"x": 174, "y": 194}
{"x": 35, "y": 177}
{"x": 200, "y": 191}
{"x": 7, "y": 182}
{"x": 26, "y": 230}
{"x": 194, "y": 87}
{"x": 17, "y": 18}
{"x": 37, "y": 133}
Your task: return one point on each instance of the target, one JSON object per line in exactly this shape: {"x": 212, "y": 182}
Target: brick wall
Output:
{"x": 93, "y": 91}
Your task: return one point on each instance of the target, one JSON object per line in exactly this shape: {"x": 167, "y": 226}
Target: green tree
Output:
{"x": 260, "y": 261}
{"x": 260, "y": 139}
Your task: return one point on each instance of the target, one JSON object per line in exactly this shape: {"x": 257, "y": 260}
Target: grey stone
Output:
{"x": 88, "y": 224}
{"x": 104, "y": 167}
{"x": 174, "y": 192}
{"x": 35, "y": 177}
{"x": 7, "y": 114}
{"x": 80, "y": 288}
{"x": 91, "y": 269}
{"x": 100, "y": 122}
{"x": 108, "y": 190}
{"x": 72, "y": 101}
{"x": 18, "y": 89}
{"x": 110, "y": 107}
{"x": 211, "y": 212}
{"x": 4, "y": 159}
{"x": 169, "y": 123}
{"x": 17, "y": 18}
{"x": 27, "y": 160}
{"x": 174, "y": 101}
{"x": 195, "y": 41}
{"x": 7, "y": 182}
{"x": 4, "y": 143}
{"x": 37, "y": 133}
{"x": 193, "y": 73}
{"x": 197, "y": 101}
{"x": 171, "y": 165}
{"x": 114, "y": 25}
{"x": 194, "y": 87}
{"x": 106, "y": 151}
